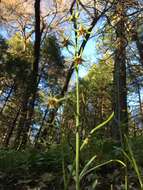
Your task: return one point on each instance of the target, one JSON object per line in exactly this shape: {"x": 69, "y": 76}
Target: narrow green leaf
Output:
{"x": 87, "y": 166}
{"x": 103, "y": 164}
{"x": 133, "y": 162}
{"x": 95, "y": 129}
{"x": 102, "y": 124}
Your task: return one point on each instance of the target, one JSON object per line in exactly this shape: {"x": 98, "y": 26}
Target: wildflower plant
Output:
{"x": 75, "y": 172}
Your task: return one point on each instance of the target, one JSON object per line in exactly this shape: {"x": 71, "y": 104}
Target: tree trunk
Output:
{"x": 10, "y": 130}
{"x": 34, "y": 76}
{"x": 120, "y": 89}
{"x": 41, "y": 127}
{"x": 23, "y": 115}
{"x": 7, "y": 98}
{"x": 140, "y": 48}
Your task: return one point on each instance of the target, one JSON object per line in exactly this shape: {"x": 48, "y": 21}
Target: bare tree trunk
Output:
{"x": 34, "y": 76}
{"x": 140, "y": 48}
{"x": 10, "y": 130}
{"x": 7, "y": 98}
{"x": 23, "y": 115}
{"x": 120, "y": 89}
{"x": 41, "y": 127}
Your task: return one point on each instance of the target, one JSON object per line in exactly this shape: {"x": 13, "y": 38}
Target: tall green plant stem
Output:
{"x": 77, "y": 130}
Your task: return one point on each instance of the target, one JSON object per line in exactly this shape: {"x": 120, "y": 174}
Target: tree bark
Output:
{"x": 22, "y": 119}
{"x": 41, "y": 127}
{"x": 30, "y": 96}
{"x": 120, "y": 86}
{"x": 10, "y": 130}
{"x": 7, "y": 98}
{"x": 140, "y": 48}
{"x": 34, "y": 75}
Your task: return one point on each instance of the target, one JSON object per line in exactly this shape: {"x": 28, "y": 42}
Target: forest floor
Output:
{"x": 40, "y": 170}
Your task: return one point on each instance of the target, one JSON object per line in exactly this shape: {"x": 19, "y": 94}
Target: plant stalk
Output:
{"x": 77, "y": 130}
